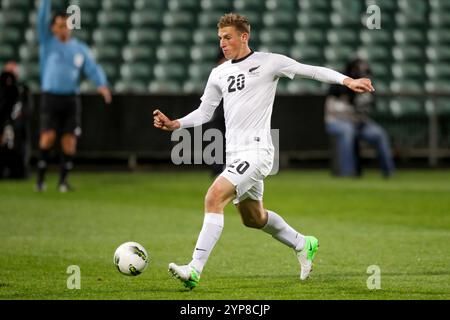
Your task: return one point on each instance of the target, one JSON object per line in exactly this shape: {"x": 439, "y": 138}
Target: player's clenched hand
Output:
{"x": 161, "y": 121}
{"x": 359, "y": 85}
{"x": 104, "y": 91}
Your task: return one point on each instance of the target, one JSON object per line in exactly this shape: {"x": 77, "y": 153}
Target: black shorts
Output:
{"x": 61, "y": 113}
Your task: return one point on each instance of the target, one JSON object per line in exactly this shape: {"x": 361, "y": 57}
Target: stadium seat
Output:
{"x": 87, "y": 5}
{"x": 275, "y": 48}
{"x": 275, "y": 36}
{"x": 10, "y": 35}
{"x": 13, "y": 18}
{"x": 407, "y": 86}
{"x": 409, "y": 36}
{"x": 136, "y": 87}
{"x": 146, "y": 18}
{"x": 408, "y": 53}
{"x": 438, "y": 86}
{"x": 108, "y": 36}
{"x": 345, "y": 20}
{"x": 413, "y": 6}
{"x": 7, "y": 52}
{"x": 181, "y": 19}
{"x": 314, "y": 5}
{"x": 438, "y": 70}
{"x": 411, "y": 19}
{"x": 256, "y": 6}
{"x": 343, "y": 36}
{"x": 23, "y": 5}
{"x": 385, "y": 6}
{"x": 306, "y": 54}
{"x": 176, "y": 36}
{"x": 106, "y": 52}
{"x": 438, "y": 36}
{"x": 172, "y": 52}
{"x": 284, "y": 5}
{"x": 183, "y": 5}
{"x": 406, "y": 106}
{"x": 310, "y": 36}
{"x": 376, "y": 37}
{"x": 31, "y": 35}
{"x": 136, "y": 71}
{"x": 316, "y": 19}
{"x": 87, "y": 86}
{"x": 440, "y": 5}
{"x": 204, "y": 53}
{"x": 380, "y": 70}
{"x": 209, "y": 19}
{"x": 191, "y": 86}
{"x": 111, "y": 70}
{"x": 208, "y": 36}
{"x": 304, "y": 86}
{"x": 148, "y": 36}
{"x": 200, "y": 71}
{"x": 439, "y": 19}
{"x": 217, "y": 5}
{"x": 83, "y": 34}
{"x": 407, "y": 71}
{"x": 438, "y": 53}
{"x": 150, "y": 5}
{"x": 349, "y": 7}
{"x": 280, "y": 19}
{"x": 441, "y": 106}
{"x": 29, "y": 71}
{"x": 164, "y": 87}
{"x": 113, "y": 18}
{"x": 121, "y": 5}
{"x": 375, "y": 53}
{"x": 29, "y": 53}
{"x": 339, "y": 53}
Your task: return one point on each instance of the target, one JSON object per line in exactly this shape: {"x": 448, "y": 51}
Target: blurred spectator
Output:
{"x": 347, "y": 121}
{"x": 15, "y": 109}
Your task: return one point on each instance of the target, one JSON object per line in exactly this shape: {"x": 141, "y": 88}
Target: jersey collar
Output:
{"x": 243, "y": 58}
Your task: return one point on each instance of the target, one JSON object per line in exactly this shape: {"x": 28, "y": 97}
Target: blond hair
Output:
{"x": 235, "y": 20}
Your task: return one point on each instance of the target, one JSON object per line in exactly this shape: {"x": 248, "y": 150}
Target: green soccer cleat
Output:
{"x": 186, "y": 274}
{"x": 306, "y": 256}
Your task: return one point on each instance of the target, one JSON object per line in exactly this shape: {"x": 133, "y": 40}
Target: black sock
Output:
{"x": 66, "y": 166}
{"x": 2, "y": 160}
{"x": 42, "y": 165}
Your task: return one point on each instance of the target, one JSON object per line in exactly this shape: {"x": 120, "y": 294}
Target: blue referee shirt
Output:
{"x": 62, "y": 62}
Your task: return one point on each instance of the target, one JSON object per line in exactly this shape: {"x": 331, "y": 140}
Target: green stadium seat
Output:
{"x": 350, "y": 7}
{"x": 275, "y": 36}
{"x": 405, "y": 106}
{"x": 439, "y": 19}
{"x": 150, "y": 5}
{"x": 376, "y": 37}
{"x": 83, "y": 34}
{"x": 205, "y": 36}
{"x": 110, "y": 18}
{"x": 164, "y": 87}
{"x": 380, "y": 70}
{"x": 88, "y": 20}
{"x": 32, "y": 19}
{"x": 413, "y": 6}
{"x": 314, "y": 5}
{"x": 200, "y": 71}
{"x": 438, "y": 36}
{"x": 106, "y": 52}
{"x": 136, "y": 71}
{"x": 122, "y": 5}
{"x": 209, "y": 19}
{"x": 10, "y": 35}
{"x": 438, "y": 70}
{"x": 147, "y": 36}
{"x": 411, "y": 20}
{"x": 382, "y": 108}
{"x": 7, "y": 52}
{"x": 385, "y": 6}
{"x": 146, "y": 18}
{"x": 285, "y": 5}
{"x": 31, "y": 35}
{"x": 111, "y": 71}
{"x": 87, "y": 5}
{"x": 409, "y": 36}
{"x": 24, "y": 5}
{"x": 192, "y": 86}
{"x": 13, "y": 18}
{"x": 438, "y": 86}
{"x": 440, "y": 5}
{"x": 408, "y": 53}
{"x": 304, "y": 86}
{"x": 204, "y": 53}
{"x": 407, "y": 71}
{"x": 136, "y": 87}
{"x": 306, "y": 54}
{"x": 310, "y": 36}
{"x": 29, "y": 53}
{"x": 181, "y": 19}
{"x": 375, "y": 53}
{"x": 381, "y": 85}
{"x": 315, "y": 19}
{"x": 256, "y": 6}
{"x": 217, "y": 5}
{"x": 108, "y": 36}
{"x": 345, "y": 20}
{"x": 255, "y": 19}
{"x": 339, "y": 53}
{"x": 407, "y": 86}
{"x": 172, "y": 52}
{"x": 87, "y": 86}
{"x": 275, "y": 48}
{"x": 176, "y": 36}
{"x": 440, "y": 104}
{"x": 280, "y": 19}
{"x": 29, "y": 71}
{"x": 169, "y": 71}
{"x": 438, "y": 53}
{"x": 183, "y": 5}
{"x": 343, "y": 36}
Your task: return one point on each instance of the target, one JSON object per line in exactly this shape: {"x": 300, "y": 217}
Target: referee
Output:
{"x": 61, "y": 61}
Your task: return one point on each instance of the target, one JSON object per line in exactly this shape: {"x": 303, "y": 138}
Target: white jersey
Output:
{"x": 248, "y": 88}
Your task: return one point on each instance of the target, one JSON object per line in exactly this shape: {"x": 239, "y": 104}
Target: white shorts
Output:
{"x": 246, "y": 170}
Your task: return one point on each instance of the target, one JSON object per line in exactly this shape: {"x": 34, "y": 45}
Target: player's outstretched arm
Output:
{"x": 359, "y": 85}
{"x": 161, "y": 121}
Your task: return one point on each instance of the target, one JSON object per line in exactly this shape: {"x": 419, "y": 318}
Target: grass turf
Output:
{"x": 401, "y": 225}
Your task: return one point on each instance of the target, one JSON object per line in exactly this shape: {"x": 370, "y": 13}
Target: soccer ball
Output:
{"x": 131, "y": 259}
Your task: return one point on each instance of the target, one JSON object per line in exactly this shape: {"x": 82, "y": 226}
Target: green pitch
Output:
{"x": 401, "y": 225}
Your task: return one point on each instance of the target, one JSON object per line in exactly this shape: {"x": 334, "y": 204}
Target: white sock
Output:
{"x": 280, "y": 230}
{"x": 210, "y": 233}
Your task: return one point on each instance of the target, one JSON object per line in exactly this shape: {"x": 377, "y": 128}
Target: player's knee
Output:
{"x": 46, "y": 140}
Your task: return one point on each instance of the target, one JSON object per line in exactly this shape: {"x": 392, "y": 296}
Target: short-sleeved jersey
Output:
{"x": 248, "y": 88}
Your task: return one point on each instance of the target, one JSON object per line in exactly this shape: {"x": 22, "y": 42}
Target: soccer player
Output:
{"x": 247, "y": 82}
{"x": 61, "y": 60}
